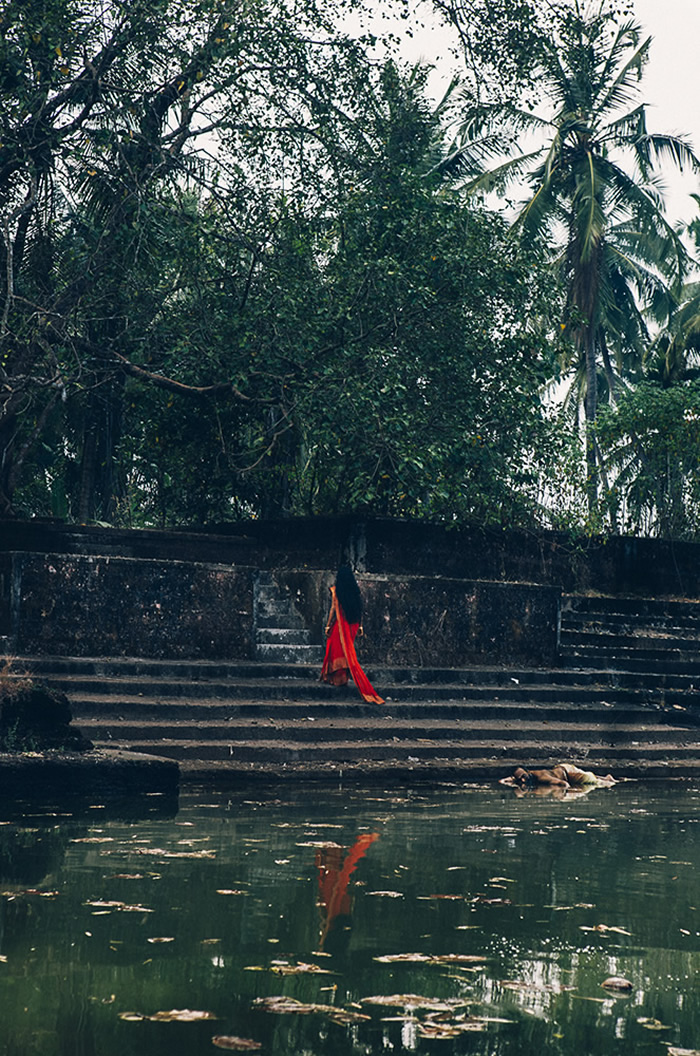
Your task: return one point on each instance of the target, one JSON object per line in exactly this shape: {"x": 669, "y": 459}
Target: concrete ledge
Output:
{"x": 96, "y": 773}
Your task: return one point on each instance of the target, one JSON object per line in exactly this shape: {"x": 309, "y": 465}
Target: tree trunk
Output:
{"x": 591, "y": 408}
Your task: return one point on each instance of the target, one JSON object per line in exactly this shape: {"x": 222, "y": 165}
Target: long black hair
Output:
{"x": 348, "y": 594}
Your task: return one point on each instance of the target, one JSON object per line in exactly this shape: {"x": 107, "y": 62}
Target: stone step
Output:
{"x": 290, "y": 654}
{"x": 283, "y": 636}
{"x": 680, "y": 675}
{"x": 649, "y": 660}
{"x": 293, "y": 621}
{"x": 232, "y": 773}
{"x": 407, "y": 750}
{"x": 612, "y": 621}
{"x": 616, "y": 641}
{"x": 629, "y": 663}
{"x": 268, "y": 690}
{"x": 275, "y": 608}
{"x": 396, "y": 730}
{"x": 637, "y": 606}
{"x": 348, "y": 703}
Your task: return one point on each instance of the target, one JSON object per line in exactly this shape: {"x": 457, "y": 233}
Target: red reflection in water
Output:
{"x": 335, "y": 867}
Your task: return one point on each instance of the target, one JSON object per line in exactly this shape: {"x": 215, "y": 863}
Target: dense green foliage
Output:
{"x": 239, "y": 278}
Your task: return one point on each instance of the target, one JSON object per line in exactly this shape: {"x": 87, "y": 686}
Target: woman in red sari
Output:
{"x": 343, "y": 624}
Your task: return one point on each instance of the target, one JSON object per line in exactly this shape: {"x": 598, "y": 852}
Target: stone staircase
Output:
{"x": 280, "y": 634}
{"x": 625, "y": 698}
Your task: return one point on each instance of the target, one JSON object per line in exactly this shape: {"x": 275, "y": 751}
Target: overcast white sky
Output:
{"x": 671, "y": 84}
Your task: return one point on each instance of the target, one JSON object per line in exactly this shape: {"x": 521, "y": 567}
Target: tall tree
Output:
{"x": 594, "y": 195}
{"x": 105, "y": 110}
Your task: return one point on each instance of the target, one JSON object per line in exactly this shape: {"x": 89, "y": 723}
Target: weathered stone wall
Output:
{"x": 611, "y": 565}
{"x": 437, "y": 621}
{"x": 115, "y": 606}
{"x": 74, "y": 605}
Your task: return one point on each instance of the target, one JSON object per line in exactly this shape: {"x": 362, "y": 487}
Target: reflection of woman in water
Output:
{"x": 333, "y": 879}
{"x": 343, "y": 624}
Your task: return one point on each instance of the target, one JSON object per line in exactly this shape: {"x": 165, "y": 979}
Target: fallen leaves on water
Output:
{"x": 175, "y": 1015}
{"x": 384, "y": 894}
{"x": 431, "y": 958}
{"x": 289, "y": 1006}
{"x": 674, "y": 1051}
{"x": 162, "y": 938}
{"x": 230, "y": 891}
{"x": 442, "y": 1018}
{"x": 29, "y": 891}
{"x": 233, "y": 1044}
{"x": 652, "y": 1024}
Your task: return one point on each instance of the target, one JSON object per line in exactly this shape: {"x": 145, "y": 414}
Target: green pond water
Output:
{"x": 279, "y": 918}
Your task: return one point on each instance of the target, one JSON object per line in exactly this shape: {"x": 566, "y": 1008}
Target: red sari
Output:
{"x": 341, "y": 660}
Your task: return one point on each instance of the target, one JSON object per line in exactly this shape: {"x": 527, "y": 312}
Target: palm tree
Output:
{"x": 595, "y": 195}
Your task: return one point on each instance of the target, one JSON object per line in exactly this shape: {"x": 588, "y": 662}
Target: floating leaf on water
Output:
{"x": 445, "y": 898}
{"x": 288, "y": 1005}
{"x": 540, "y": 988}
{"x": 124, "y": 907}
{"x": 209, "y": 942}
{"x": 322, "y": 844}
{"x": 384, "y": 894}
{"x": 344, "y": 1017}
{"x": 501, "y": 880}
{"x": 674, "y": 1051}
{"x": 298, "y": 969}
{"x": 415, "y": 1001}
{"x": 92, "y": 839}
{"x": 132, "y": 1017}
{"x": 233, "y": 1044}
{"x": 431, "y": 958}
{"x": 439, "y": 1031}
{"x": 161, "y": 938}
{"x": 161, "y": 853}
{"x": 617, "y": 982}
{"x": 603, "y": 928}
{"x": 181, "y": 1015}
{"x": 3, "y": 958}
{"x": 652, "y": 1024}
{"x": 230, "y": 891}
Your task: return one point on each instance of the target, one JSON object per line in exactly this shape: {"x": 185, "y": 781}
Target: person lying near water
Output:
{"x": 563, "y": 775}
